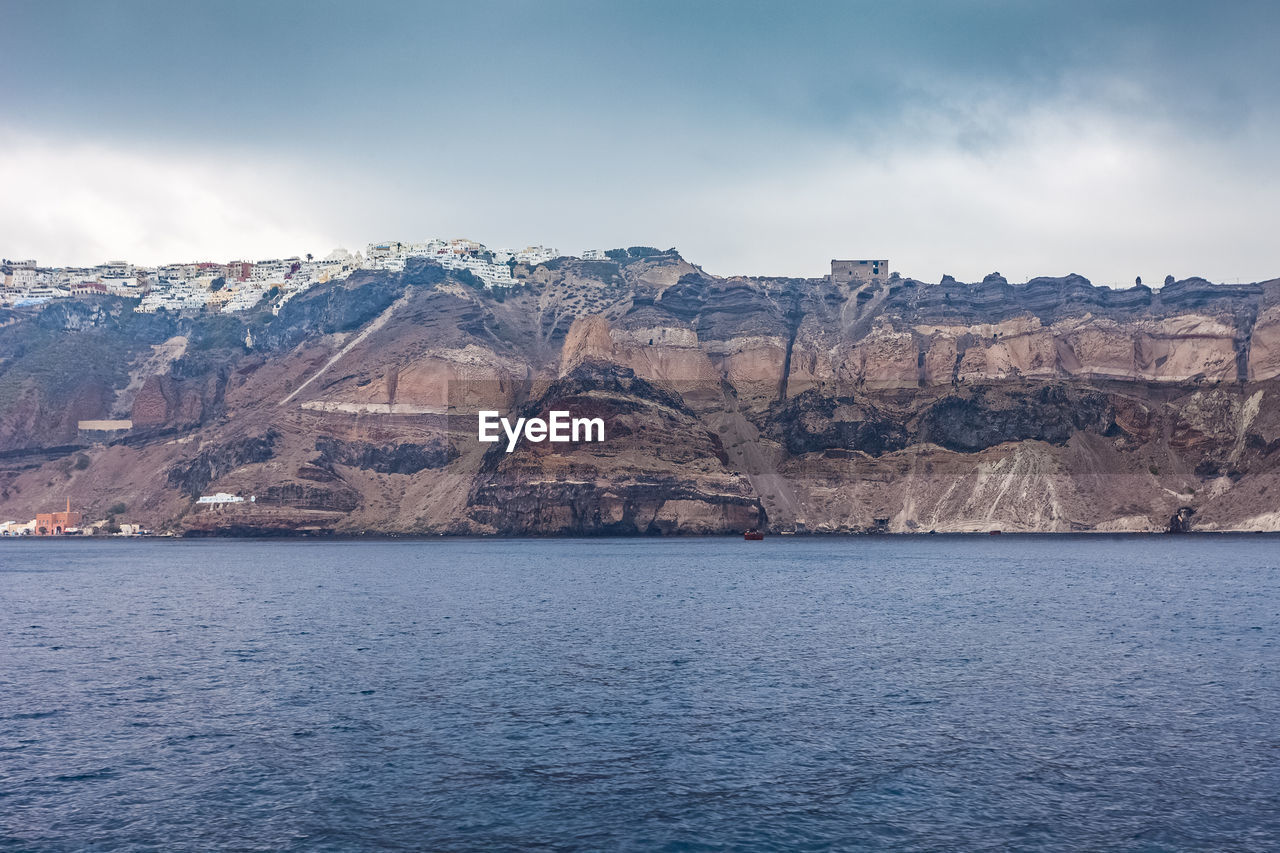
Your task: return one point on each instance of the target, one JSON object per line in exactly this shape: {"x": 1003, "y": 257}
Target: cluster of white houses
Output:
{"x": 492, "y": 266}
{"x": 240, "y": 285}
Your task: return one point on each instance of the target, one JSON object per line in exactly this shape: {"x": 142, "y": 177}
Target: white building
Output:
{"x": 245, "y": 298}
{"x": 534, "y": 255}
{"x": 115, "y": 269}
{"x": 121, "y": 285}
{"x": 16, "y": 528}
{"x": 22, "y": 278}
{"x": 222, "y": 498}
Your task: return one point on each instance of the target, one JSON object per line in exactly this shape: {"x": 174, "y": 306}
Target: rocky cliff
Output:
{"x": 794, "y": 404}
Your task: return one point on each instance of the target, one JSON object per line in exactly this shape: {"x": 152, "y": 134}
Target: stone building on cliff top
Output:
{"x": 862, "y": 272}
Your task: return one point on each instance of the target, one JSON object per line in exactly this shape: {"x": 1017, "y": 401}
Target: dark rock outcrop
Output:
{"x": 191, "y": 477}
{"x": 1180, "y": 522}
{"x": 400, "y": 458}
{"x": 306, "y": 496}
{"x": 812, "y": 422}
{"x": 989, "y": 417}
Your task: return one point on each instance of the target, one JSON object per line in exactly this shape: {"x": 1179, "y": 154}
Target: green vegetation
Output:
{"x": 633, "y": 253}
{"x": 117, "y": 508}
{"x": 1154, "y": 470}
{"x": 82, "y": 462}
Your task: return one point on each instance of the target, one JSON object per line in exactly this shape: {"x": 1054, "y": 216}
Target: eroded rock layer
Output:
{"x": 792, "y": 404}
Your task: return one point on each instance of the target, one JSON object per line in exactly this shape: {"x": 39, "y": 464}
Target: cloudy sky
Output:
{"x": 1112, "y": 139}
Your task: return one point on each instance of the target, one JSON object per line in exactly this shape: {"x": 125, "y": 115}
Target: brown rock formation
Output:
{"x": 728, "y": 403}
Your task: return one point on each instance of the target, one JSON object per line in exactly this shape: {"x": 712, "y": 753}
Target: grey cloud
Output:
{"x": 581, "y": 123}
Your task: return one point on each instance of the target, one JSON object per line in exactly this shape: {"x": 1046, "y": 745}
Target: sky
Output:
{"x": 1111, "y": 139}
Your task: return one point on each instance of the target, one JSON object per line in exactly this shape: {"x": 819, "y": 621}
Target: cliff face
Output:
{"x": 728, "y": 403}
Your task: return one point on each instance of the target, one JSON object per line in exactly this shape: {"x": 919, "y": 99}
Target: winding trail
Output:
{"x": 374, "y": 325}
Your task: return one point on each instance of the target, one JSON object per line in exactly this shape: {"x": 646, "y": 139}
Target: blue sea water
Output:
{"x": 931, "y": 693}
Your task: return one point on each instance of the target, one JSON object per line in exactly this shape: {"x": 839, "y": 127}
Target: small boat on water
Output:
{"x": 753, "y": 535}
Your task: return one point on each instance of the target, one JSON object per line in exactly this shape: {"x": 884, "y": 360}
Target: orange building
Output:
{"x": 56, "y": 523}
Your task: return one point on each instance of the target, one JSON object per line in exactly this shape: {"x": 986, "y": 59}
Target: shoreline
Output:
{"x": 292, "y": 536}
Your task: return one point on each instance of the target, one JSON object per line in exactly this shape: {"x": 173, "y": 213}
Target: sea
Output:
{"x": 931, "y": 693}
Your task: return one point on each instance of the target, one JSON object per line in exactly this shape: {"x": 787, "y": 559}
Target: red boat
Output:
{"x": 753, "y": 535}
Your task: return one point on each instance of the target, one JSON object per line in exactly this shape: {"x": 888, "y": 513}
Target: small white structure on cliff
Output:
{"x": 222, "y": 498}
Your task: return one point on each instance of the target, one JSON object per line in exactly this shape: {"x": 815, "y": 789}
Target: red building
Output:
{"x": 56, "y": 523}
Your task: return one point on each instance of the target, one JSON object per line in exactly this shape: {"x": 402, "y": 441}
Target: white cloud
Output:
{"x": 1061, "y": 193}
{"x": 69, "y": 203}
{"x": 1058, "y": 189}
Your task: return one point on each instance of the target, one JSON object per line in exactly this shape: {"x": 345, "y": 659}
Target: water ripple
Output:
{"x": 1111, "y": 694}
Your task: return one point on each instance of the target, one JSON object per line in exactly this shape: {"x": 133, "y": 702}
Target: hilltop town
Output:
{"x": 240, "y": 285}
